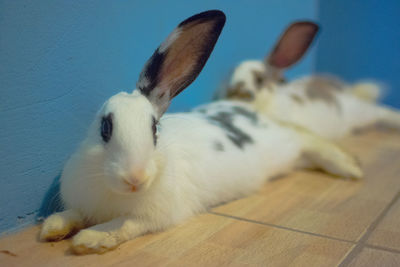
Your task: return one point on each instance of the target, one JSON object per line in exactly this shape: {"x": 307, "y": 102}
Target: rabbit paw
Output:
{"x": 338, "y": 162}
{"x": 328, "y": 156}
{"x": 92, "y": 241}
{"x": 349, "y": 167}
{"x": 58, "y": 226}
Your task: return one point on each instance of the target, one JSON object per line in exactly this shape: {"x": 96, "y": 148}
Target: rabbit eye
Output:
{"x": 154, "y": 130}
{"x": 106, "y": 127}
{"x": 258, "y": 79}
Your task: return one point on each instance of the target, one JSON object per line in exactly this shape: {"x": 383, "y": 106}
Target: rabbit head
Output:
{"x": 254, "y": 76}
{"x": 124, "y": 133}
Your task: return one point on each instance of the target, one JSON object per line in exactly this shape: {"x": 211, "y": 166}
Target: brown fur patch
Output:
{"x": 238, "y": 91}
{"x": 323, "y": 89}
{"x": 270, "y": 77}
{"x": 274, "y": 74}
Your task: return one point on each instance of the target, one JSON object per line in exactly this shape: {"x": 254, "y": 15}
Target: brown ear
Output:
{"x": 180, "y": 58}
{"x": 293, "y": 44}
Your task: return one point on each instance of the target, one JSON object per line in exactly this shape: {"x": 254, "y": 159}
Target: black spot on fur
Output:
{"x": 151, "y": 71}
{"x": 225, "y": 120}
{"x": 154, "y": 130}
{"x": 252, "y": 116}
{"x": 218, "y": 146}
{"x": 106, "y": 127}
{"x": 201, "y": 110}
{"x": 204, "y": 16}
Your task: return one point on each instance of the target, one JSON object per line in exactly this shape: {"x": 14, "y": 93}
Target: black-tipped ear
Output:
{"x": 293, "y": 44}
{"x": 180, "y": 58}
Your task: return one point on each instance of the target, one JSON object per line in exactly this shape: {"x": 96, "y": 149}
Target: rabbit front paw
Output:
{"x": 60, "y": 225}
{"x": 90, "y": 241}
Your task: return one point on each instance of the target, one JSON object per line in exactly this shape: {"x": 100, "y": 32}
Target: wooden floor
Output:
{"x": 305, "y": 219}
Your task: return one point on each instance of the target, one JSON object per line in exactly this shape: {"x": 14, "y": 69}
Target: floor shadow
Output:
{"x": 51, "y": 202}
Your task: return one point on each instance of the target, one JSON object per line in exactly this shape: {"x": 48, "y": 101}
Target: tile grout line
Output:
{"x": 393, "y": 250}
{"x": 362, "y": 241}
{"x": 281, "y": 227}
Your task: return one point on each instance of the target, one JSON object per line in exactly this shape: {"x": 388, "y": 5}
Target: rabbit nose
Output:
{"x": 131, "y": 185}
{"x": 134, "y": 179}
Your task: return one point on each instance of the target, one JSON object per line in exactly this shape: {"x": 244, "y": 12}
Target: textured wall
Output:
{"x": 361, "y": 39}
{"x": 60, "y": 60}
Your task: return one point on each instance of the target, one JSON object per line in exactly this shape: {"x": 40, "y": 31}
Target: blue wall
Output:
{"x": 361, "y": 39}
{"x": 60, "y": 60}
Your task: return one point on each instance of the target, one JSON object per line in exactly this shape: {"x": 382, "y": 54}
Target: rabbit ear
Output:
{"x": 293, "y": 44}
{"x": 180, "y": 58}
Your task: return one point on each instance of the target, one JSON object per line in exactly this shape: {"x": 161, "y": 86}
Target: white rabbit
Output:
{"x": 323, "y": 105}
{"x": 138, "y": 172}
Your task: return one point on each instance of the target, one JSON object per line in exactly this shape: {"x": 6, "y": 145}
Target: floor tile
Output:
{"x": 387, "y": 233}
{"x": 206, "y": 240}
{"x": 243, "y": 243}
{"x": 316, "y": 203}
{"x": 373, "y": 257}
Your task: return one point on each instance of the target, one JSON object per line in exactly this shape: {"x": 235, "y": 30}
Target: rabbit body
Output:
{"x": 215, "y": 154}
{"x": 198, "y": 163}
{"x": 321, "y": 104}
{"x": 328, "y": 112}
{"x": 196, "y": 168}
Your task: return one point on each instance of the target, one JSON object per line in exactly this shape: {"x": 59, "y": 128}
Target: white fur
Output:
{"x": 330, "y": 121}
{"x": 185, "y": 173}
{"x": 369, "y": 91}
{"x": 241, "y": 73}
{"x": 188, "y": 180}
